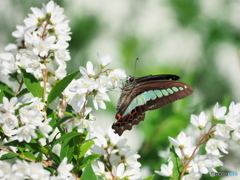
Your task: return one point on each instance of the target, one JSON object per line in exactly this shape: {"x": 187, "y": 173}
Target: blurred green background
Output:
{"x": 197, "y": 40}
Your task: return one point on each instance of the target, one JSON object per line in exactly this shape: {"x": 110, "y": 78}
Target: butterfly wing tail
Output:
{"x": 125, "y": 123}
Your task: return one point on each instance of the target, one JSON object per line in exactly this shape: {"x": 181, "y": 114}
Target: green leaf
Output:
{"x": 39, "y": 157}
{"x": 29, "y": 155}
{"x": 5, "y": 91}
{"x": 67, "y": 150}
{"x": 32, "y": 84}
{"x": 66, "y": 137}
{"x": 22, "y": 146}
{"x": 14, "y": 76}
{"x": 88, "y": 173}
{"x": 9, "y": 155}
{"x": 177, "y": 165}
{"x": 61, "y": 121}
{"x": 60, "y": 86}
{"x": 70, "y": 147}
{"x": 150, "y": 177}
{"x": 24, "y": 91}
{"x": 69, "y": 142}
{"x": 55, "y": 158}
{"x": 87, "y": 159}
{"x": 85, "y": 147}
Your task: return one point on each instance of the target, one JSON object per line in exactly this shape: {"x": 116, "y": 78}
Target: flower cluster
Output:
{"x": 116, "y": 160}
{"x": 22, "y": 126}
{"x": 94, "y": 82}
{"x": 23, "y": 170}
{"x": 214, "y": 134}
{"x": 41, "y": 46}
{"x": 35, "y": 114}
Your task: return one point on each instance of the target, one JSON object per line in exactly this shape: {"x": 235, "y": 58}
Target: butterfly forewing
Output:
{"x": 157, "y": 77}
{"x": 147, "y": 93}
{"x": 162, "y": 93}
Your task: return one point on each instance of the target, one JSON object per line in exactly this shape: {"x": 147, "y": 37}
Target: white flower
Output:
{"x": 166, "y": 170}
{"x": 60, "y": 45}
{"x": 61, "y": 56}
{"x": 45, "y": 128}
{"x": 215, "y": 162}
{"x": 31, "y": 115}
{"x": 232, "y": 120}
{"x": 37, "y": 104}
{"x": 5, "y": 168}
{"x": 223, "y": 130}
{"x": 19, "y": 32}
{"x": 103, "y": 138}
{"x": 99, "y": 169}
{"x": 21, "y": 168}
{"x": 234, "y": 109}
{"x": 113, "y": 148}
{"x": 52, "y": 9}
{"x": 31, "y": 62}
{"x": 7, "y": 63}
{"x": 25, "y": 133}
{"x": 213, "y": 146}
{"x": 36, "y": 171}
{"x": 59, "y": 22}
{"x": 99, "y": 99}
{"x": 32, "y": 170}
{"x": 38, "y": 12}
{"x": 130, "y": 158}
{"x": 10, "y": 120}
{"x": 60, "y": 73}
{"x": 192, "y": 176}
{"x": 201, "y": 164}
{"x": 13, "y": 48}
{"x": 164, "y": 153}
{"x": 90, "y": 71}
{"x": 236, "y": 133}
{"x": 119, "y": 171}
{"x": 105, "y": 60}
{"x": 219, "y": 113}
{"x": 187, "y": 151}
{"x": 83, "y": 85}
{"x": 83, "y": 124}
{"x": 32, "y": 21}
{"x": 104, "y": 82}
{"x": 64, "y": 169}
{"x": 199, "y": 121}
{"x": 11, "y": 105}
{"x": 182, "y": 140}
{"x": 77, "y": 102}
{"x": 41, "y": 47}
{"x": 9, "y": 131}
{"x": 116, "y": 75}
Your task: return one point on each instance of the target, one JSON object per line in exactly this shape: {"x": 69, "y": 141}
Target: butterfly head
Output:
{"x": 130, "y": 80}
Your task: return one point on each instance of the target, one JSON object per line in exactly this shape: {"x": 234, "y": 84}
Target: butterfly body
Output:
{"x": 144, "y": 94}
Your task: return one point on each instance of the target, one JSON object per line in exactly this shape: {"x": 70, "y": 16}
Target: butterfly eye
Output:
{"x": 131, "y": 79}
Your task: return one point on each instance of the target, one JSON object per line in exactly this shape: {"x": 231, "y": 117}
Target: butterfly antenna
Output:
{"x": 135, "y": 66}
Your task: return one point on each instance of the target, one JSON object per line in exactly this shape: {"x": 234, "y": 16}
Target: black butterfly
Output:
{"x": 144, "y": 94}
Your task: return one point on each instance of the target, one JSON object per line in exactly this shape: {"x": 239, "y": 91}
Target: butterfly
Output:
{"x": 144, "y": 94}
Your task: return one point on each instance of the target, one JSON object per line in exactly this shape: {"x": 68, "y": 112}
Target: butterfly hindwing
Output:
{"x": 147, "y": 93}
{"x": 126, "y": 122}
